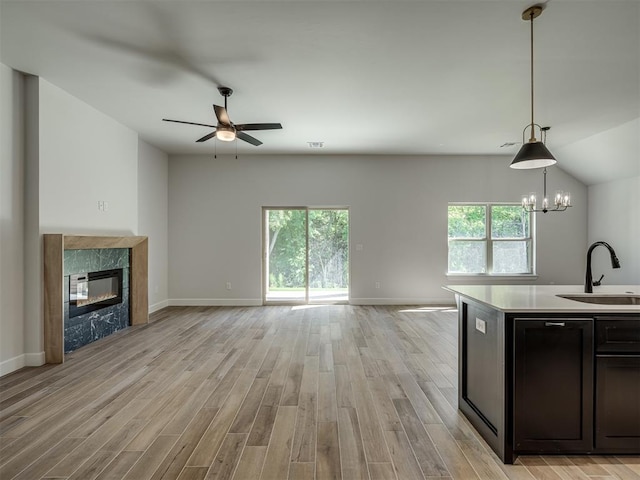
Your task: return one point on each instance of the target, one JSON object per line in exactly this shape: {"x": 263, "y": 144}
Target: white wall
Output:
{"x": 75, "y": 156}
{"x": 605, "y": 156}
{"x": 85, "y": 156}
{"x": 11, "y": 220}
{"x": 398, "y": 212}
{"x": 613, "y": 176}
{"x": 614, "y": 217}
{"x": 153, "y": 213}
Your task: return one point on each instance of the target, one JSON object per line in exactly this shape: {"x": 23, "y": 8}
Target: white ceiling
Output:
{"x": 365, "y": 77}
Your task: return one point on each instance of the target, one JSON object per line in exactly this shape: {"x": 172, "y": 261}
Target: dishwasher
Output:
{"x": 617, "y": 402}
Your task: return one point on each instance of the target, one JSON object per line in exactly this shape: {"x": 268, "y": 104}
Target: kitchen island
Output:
{"x": 543, "y": 374}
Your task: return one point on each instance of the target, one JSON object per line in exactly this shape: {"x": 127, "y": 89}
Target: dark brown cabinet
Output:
{"x": 481, "y": 387}
{"x": 553, "y": 385}
{"x": 618, "y": 384}
{"x": 618, "y": 403}
{"x": 550, "y": 382}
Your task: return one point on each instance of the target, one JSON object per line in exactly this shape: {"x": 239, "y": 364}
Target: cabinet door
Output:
{"x": 553, "y": 385}
{"x": 618, "y": 403}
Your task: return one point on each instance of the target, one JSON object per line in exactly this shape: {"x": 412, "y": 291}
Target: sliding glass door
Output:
{"x": 306, "y": 255}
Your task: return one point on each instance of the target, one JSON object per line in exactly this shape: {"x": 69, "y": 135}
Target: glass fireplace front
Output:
{"x": 94, "y": 290}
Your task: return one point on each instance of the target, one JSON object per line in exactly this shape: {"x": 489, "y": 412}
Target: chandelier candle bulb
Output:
{"x": 559, "y": 198}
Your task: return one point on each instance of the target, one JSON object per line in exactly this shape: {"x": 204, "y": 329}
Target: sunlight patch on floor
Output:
{"x": 428, "y": 309}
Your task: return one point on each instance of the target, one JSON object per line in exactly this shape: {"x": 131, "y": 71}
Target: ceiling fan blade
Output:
{"x": 248, "y": 138}
{"x": 258, "y": 126}
{"x": 221, "y": 114}
{"x": 188, "y": 123}
{"x": 207, "y": 137}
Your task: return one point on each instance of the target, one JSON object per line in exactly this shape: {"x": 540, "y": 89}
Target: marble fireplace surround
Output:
{"x": 54, "y": 246}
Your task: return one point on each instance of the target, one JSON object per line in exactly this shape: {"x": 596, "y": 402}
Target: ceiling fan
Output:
{"x": 226, "y": 130}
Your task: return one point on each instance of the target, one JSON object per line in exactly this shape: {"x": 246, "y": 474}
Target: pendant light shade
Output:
{"x": 533, "y": 154}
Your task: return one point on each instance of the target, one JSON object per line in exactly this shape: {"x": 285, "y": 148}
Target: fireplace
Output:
{"x": 94, "y": 290}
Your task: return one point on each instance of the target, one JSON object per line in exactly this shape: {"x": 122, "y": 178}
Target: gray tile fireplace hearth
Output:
{"x": 91, "y": 326}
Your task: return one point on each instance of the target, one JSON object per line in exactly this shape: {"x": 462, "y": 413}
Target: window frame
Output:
{"x": 489, "y": 242}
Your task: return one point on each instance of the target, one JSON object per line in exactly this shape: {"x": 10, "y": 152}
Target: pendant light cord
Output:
{"x": 533, "y": 132}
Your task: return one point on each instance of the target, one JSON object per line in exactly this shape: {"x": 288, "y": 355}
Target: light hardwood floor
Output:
{"x": 324, "y": 392}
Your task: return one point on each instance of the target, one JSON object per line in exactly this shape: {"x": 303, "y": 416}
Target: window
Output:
{"x": 492, "y": 239}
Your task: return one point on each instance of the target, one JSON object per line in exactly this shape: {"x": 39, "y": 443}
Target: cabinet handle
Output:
{"x": 619, "y": 355}
{"x": 554, "y": 324}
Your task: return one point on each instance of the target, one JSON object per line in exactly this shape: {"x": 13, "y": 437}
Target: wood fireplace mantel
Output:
{"x": 54, "y": 246}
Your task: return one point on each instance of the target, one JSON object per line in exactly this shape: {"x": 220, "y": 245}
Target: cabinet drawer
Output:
{"x": 617, "y": 335}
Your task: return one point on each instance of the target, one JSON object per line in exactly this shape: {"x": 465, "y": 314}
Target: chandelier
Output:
{"x": 561, "y": 201}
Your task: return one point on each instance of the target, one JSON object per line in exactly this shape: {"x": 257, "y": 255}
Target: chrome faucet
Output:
{"x": 615, "y": 263}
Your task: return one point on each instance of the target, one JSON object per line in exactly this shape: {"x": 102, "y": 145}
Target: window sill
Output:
{"x": 488, "y": 276}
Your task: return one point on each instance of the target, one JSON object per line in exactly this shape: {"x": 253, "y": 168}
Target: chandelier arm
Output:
{"x": 530, "y": 209}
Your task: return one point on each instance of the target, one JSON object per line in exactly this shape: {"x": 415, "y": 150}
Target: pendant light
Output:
{"x": 533, "y": 154}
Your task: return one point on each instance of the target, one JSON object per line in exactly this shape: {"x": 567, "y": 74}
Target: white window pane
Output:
{"x": 509, "y": 221}
{"x": 467, "y": 221}
{"x": 511, "y": 257}
{"x": 467, "y": 257}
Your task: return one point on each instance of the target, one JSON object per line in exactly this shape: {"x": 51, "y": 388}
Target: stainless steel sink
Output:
{"x": 604, "y": 299}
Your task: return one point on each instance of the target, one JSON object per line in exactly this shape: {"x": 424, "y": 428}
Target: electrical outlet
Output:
{"x": 377, "y": 285}
{"x": 228, "y": 285}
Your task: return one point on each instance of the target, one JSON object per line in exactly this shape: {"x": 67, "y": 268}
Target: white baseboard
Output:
{"x": 402, "y": 301}
{"x": 11, "y": 365}
{"x": 20, "y": 361}
{"x": 34, "y": 359}
{"x": 215, "y": 302}
{"x": 158, "y": 306}
{"x": 256, "y": 302}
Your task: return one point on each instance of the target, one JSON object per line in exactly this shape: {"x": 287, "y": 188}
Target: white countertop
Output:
{"x": 543, "y": 298}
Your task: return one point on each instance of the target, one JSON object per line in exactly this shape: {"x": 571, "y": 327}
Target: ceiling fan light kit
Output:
{"x": 226, "y": 134}
{"x": 533, "y": 153}
{"x": 225, "y": 129}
